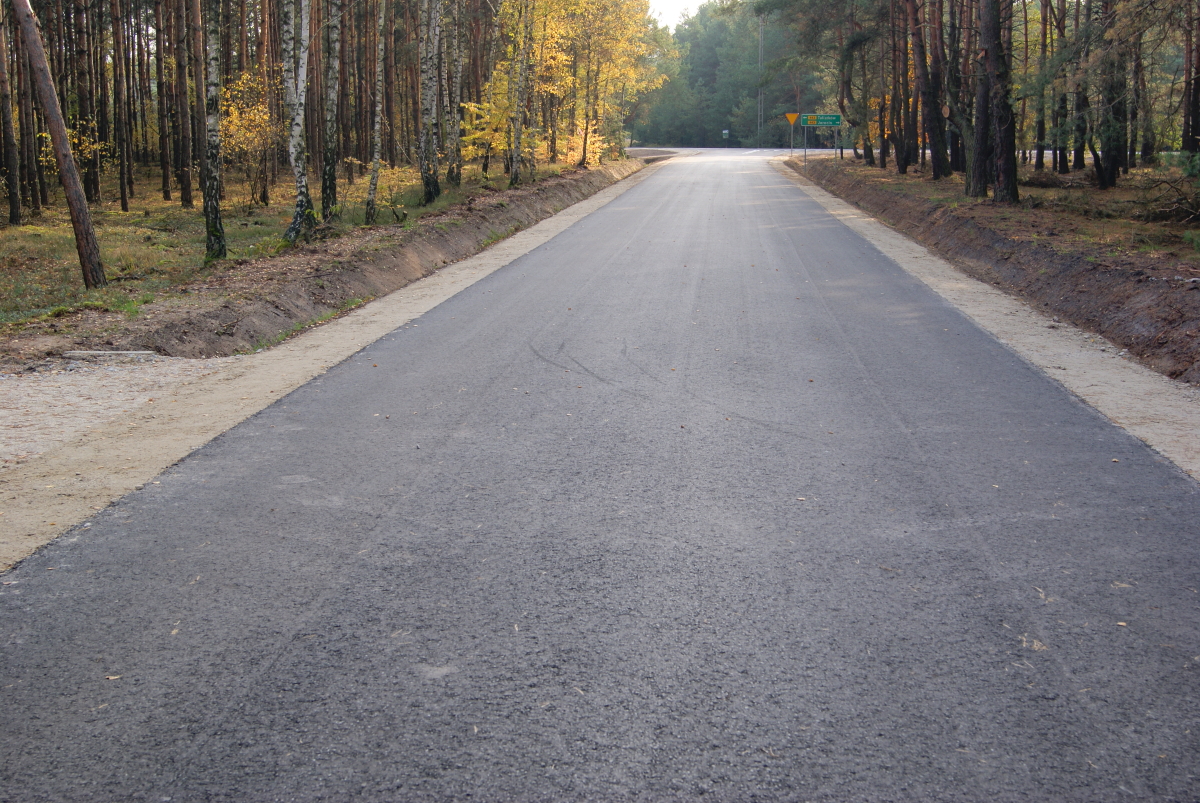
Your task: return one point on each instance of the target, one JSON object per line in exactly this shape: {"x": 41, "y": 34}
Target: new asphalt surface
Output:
{"x": 702, "y": 499}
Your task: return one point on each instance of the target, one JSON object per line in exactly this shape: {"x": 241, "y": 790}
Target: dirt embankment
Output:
{"x": 1150, "y": 308}
{"x": 247, "y": 305}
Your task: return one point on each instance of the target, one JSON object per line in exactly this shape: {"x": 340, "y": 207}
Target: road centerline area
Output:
{"x": 703, "y": 496}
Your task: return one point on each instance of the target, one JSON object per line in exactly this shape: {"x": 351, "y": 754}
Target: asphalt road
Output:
{"x": 702, "y": 497}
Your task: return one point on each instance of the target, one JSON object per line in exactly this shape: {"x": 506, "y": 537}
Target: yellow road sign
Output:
{"x": 792, "y": 117}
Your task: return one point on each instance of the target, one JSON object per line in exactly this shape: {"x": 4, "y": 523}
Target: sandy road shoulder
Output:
{"x": 1163, "y": 413}
{"x": 75, "y": 441}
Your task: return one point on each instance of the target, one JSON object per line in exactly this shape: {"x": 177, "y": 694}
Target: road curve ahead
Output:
{"x": 702, "y": 498}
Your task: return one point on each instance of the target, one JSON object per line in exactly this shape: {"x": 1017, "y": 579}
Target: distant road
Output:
{"x": 703, "y": 498}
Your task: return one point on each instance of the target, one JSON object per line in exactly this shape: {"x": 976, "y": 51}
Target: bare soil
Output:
{"x": 1131, "y": 283}
{"x": 252, "y": 304}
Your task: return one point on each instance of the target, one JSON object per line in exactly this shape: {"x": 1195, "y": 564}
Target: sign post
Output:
{"x": 817, "y": 121}
{"x": 791, "y": 118}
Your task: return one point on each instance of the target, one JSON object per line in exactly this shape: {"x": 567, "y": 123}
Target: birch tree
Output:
{"x": 376, "y": 135}
{"x": 294, "y": 46}
{"x": 215, "y": 239}
{"x": 454, "y": 80}
{"x": 429, "y": 34}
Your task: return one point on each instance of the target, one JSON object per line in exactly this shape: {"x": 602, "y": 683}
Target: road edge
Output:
{"x": 1086, "y": 364}
{"x": 59, "y": 491}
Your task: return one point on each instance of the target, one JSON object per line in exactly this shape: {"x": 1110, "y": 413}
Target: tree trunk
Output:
{"x": 183, "y": 107}
{"x": 119, "y": 103}
{"x": 994, "y": 16}
{"x": 1081, "y": 134}
{"x": 214, "y": 244}
{"x": 377, "y": 130}
{"x": 164, "y": 139}
{"x": 980, "y": 174}
{"x": 243, "y": 56}
{"x": 25, "y": 116}
{"x": 1113, "y": 117}
{"x": 901, "y": 102}
{"x": 226, "y": 52}
{"x": 1135, "y": 104}
{"x": 12, "y": 168}
{"x": 1039, "y": 162}
{"x": 295, "y": 83}
{"x": 200, "y": 81}
{"x": 81, "y": 219}
{"x": 1149, "y": 136}
{"x": 83, "y": 92}
{"x": 883, "y": 107}
{"x": 524, "y": 36}
{"x": 429, "y": 33}
{"x": 329, "y": 162}
{"x": 454, "y": 72}
{"x": 1191, "y": 86}
{"x": 929, "y": 85}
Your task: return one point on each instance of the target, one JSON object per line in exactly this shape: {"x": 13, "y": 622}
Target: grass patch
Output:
{"x": 345, "y": 306}
{"x": 496, "y": 236}
{"x": 157, "y": 248}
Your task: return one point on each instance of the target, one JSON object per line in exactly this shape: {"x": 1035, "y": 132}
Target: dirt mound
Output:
{"x": 1137, "y": 302}
{"x": 251, "y": 304}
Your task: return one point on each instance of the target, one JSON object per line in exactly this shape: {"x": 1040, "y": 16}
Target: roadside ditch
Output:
{"x": 1145, "y": 308}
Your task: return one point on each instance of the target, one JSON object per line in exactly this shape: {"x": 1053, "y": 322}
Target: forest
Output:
{"x": 969, "y": 86}
{"x": 213, "y": 105}
{"x": 204, "y": 100}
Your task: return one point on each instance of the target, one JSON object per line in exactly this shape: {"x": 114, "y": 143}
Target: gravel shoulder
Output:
{"x": 77, "y": 436}
{"x": 1163, "y": 413}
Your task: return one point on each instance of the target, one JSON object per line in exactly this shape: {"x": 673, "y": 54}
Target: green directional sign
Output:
{"x": 820, "y": 119}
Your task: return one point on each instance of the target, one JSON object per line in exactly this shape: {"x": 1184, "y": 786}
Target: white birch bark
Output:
{"x": 215, "y": 239}
{"x": 454, "y": 71}
{"x": 427, "y": 148}
{"x": 377, "y": 133}
{"x": 294, "y": 43}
